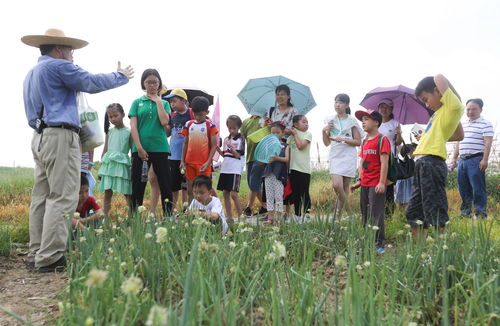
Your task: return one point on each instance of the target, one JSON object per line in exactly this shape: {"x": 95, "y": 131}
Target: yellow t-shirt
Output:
{"x": 441, "y": 126}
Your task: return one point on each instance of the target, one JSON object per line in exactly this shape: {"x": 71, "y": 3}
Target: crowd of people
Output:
{"x": 180, "y": 169}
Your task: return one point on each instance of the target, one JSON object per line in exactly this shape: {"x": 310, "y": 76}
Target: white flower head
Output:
{"x": 83, "y": 239}
{"x": 340, "y": 261}
{"x": 408, "y": 256}
{"x": 89, "y": 321}
{"x": 366, "y": 263}
{"x": 76, "y": 215}
{"x": 161, "y": 235}
{"x": 66, "y": 216}
{"x": 185, "y": 204}
{"x": 279, "y": 249}
{"x": 232, "y": 244}
{"x": 99, "y": 231}
{"x": 167, "y": 200}
{"x": 158, "y": 316}
{"x": 375, "y": 228}
{"x": 445, "y": 247}
{"x": 450, "y": 268}
{"x": 141, "y": 209}
{"x": 419, "y": 222}
{"x": 112, "y": 240}
{"x": 148, "y": 235}
{"x": 110, "y": 251}
{"x": 96, "y": 278}
{"x": 133, "y": 285}
{"x": 400, "y": 232}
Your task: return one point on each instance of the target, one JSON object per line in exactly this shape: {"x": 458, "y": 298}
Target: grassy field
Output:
{"x": 136, "y": 271}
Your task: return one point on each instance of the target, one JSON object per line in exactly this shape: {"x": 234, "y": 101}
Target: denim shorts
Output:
{"x": 428, "y": 204}
{"x": 255, "y": 171}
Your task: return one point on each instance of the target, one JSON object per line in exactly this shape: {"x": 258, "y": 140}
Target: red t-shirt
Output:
{"x": 89, "y": 204}
{"x": 370, "y": 171}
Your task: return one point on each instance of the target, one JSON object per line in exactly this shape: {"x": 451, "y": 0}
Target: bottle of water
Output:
{"x": 144, "y": 173}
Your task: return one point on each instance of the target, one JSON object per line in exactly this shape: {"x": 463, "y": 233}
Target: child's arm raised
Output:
{"x": 162, "y": 114}
{"x": 301, "y": 143}
{"x": 384, "y": 167}
{"x": 442, "y": 84}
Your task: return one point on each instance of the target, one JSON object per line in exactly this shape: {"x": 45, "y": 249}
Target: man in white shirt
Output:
{"x": 473, "y": 151}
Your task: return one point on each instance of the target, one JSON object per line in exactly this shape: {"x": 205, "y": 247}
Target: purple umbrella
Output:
{"x": 408, "y": 108}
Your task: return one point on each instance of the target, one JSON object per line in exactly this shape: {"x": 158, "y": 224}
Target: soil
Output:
{"x": 31, "y": 295}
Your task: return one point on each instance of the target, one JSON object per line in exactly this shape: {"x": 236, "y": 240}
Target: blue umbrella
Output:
{"x": 258, "y": 95}
{"x": 267, "y": 147}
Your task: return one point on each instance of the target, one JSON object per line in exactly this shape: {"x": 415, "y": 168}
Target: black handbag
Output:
{"x": 405, "y": 167}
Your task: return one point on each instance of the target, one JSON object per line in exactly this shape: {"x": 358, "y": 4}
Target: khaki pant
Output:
{"x": 55, "y": 193}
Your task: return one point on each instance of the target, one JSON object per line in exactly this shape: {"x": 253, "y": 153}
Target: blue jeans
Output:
{"x": 472, "y": 186}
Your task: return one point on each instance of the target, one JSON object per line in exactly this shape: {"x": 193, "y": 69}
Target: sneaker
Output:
{"x": 262, "y": 211}
{"x": 57, "y": 266}
{"x": 380, "y": 250}
{"x": 248, "y": 212}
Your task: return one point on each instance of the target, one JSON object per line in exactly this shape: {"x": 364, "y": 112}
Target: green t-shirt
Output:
{"x": 248, "y": 127}
{"x": 151, "y": 133}
{"x": 300, "y": 160}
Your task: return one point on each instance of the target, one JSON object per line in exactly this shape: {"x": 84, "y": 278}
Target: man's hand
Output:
{"x": 453, "y": 164}
{"x": 483, "y": 165}
{"x": 127, "y": 71}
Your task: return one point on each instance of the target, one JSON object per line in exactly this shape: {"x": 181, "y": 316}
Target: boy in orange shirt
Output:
{"x": 200, "y": 143}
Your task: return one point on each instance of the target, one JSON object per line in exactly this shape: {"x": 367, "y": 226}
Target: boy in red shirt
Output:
{"x": 374, "y": 165}
{"x": 90, "y": 212}
{"x": 200, "y": 143}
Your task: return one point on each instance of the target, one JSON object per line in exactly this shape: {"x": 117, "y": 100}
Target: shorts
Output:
{"x": 428, "y": 204}
{"x": 178, "y": 179}
{"x": 193, "y": 170}
{"x": 229, "y": 182}
{"x": 255, "y": 171}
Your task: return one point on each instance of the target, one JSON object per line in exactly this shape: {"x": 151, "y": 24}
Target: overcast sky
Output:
{"x": 331, "y": 46}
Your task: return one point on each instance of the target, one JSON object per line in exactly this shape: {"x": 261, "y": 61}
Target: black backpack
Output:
{"x": 405, "y": 168}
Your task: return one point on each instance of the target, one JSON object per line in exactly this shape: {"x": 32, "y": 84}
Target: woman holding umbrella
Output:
{"x": 390, "y": 128}
{"x": 342, "y": 134}
{"x": 283, "y": 112}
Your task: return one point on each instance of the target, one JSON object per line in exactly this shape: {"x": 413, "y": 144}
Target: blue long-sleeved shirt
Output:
{"x": 52, "y": 85}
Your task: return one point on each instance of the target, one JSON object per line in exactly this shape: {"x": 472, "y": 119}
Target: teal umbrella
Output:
{"x": 258, "y": 95}
{"x": 267, "y": 147}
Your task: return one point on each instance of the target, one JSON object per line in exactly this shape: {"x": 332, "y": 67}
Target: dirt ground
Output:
{"x": 30, "y": 295}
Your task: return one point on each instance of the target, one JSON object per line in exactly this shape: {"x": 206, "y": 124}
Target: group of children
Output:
{"x": 286, "y": 176}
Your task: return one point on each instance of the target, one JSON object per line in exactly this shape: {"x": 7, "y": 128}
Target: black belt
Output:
{"x": 466, "y": 157}
{"x": 68, "y": 127}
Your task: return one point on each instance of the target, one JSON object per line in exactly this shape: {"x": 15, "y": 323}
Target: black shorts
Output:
{"x": 178, "y": 179}
{"x": 229, "y": 182}
{"x": 428, "y": 203}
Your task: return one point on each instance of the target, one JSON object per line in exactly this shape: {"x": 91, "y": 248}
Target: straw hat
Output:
{"x": 53, "y": 36}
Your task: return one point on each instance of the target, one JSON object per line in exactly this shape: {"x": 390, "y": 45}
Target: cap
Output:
{"x": 387, "y": 101}
{"x": 375, "y": 115}
{"x": 177, "y": 92}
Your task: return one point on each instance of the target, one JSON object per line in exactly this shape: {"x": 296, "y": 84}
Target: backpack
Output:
{"x": 405, "y": 167}
{"x": 392, "y": 173}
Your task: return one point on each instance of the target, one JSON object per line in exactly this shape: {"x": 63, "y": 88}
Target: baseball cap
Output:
{"x": 375, "y": 115}
{"x": 387, "y": 101}
{"x": 177, "y": 92}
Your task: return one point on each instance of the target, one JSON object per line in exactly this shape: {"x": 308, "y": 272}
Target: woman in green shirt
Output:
{"x": 149, "y": 116}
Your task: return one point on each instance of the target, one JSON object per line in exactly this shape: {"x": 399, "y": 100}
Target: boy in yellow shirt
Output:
{"x": 428, "y": 204}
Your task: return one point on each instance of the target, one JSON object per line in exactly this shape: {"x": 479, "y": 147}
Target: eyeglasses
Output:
{"x": 149, "y": 82}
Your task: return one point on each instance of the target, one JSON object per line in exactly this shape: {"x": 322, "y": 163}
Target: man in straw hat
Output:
{"x": 50, "y": 103}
